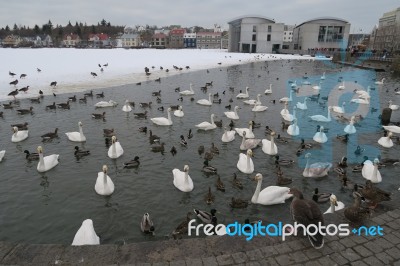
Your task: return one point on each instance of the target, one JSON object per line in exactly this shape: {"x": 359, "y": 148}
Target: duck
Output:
{"x": 249, "y": 131}
{"x": 320, "y": 197}
{"x": 350, "y": 128}
{"x": 320, "y": 136}
{"x": 50, "y": 135}
{"x": 34, "y": 156}
{"x": 233, "y": 115}
{"x": 293, "y": 129}
{"x": 158, "y": 148}
{"x": 238, "y": 203}
{"x": 303, "y": 105}
{"x": 99, "y": 116}
{"x": 214, "y": 149}
{"x": 394, "y": 129}
{"x": 19, "y": 135}
{"x": 359, "y": 167}
{"x": 179, "y": 112}
{"x": 183, "y": 141}
{"x": 153, "y": 138}
{"x": 141, "y": 115}
{"x": 104, "y": 104}
{"x": 245, "y": 163}
{"x": 86, "y": 235}
{"x": 182, "y": 228}
{"x": 287, "y": 99}
{"x": 380, "y": 82}
{"x": 190, "y": 134}
{"x": 339, "y": 109}
{"x": 173, "y": 151}
{"x": 344, "y": 138}
{"x": 220, "y": 185}
{"x": 115, "y": 151}
{"x": 127, "y": 107}
{"x": 358, "y": 150}
{"x": 228, "y": 136}
{"x": 307, "y": 212}
{"x": 253, "y": 102}
{"x": 281, "y": 139}
{"x": 268, "y": 91}
{"x": 80, "y": 153}
{"x": 281, "y": 180}
{"x": 394, "y": 107}
{"x": 141, "y": 129}
{"x": 218, "y": 123}
{"x": 270, "y": 195}
{"x": 145, "y": 105}
{"x": 318, "y": 169}
{"x": 268, "y": 146}
{"x": 209, "y": 198}
{"x": 374, "y": 194}
{"x": 207, "y": 125}
{"x": 236, "y": 182}
{"x": 206, "y": 217}
{"x": 321, "y": 118}
{"x": 77, "y": 136}
{"x": 205, "y": 101}
{"x": 268, "y": 130}
{"x": 200, "y": 150}
{"x": 283, "y": 162}
{"x": 343, "y": 162}
{"x": 46, "y": 162}
{"x": 335, "y": 205}
{"x": 187, "y": 92}
{"x": 104, "y": 185}
{"x": 259, "y": 108}
{"x": 355, "y": 213}
{"x": 146, "y": 224}
{"x": 208, "y": 168}
{"x": 182, "y": 180}
{"x": 370, "y": 171}
{"x": 162, "y": 121}
{"x": 248, "y": 143}
{"x": 243, "y": 95}
{"x": 386, "y": 141}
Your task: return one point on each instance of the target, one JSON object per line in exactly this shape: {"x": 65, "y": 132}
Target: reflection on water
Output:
{"x": 49, "y": 208}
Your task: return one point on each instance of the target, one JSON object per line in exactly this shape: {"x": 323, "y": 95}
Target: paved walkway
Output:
{"x": 351, "y": 250}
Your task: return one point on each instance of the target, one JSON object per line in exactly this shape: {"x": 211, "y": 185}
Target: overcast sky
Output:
{"x": 362, "y": 15}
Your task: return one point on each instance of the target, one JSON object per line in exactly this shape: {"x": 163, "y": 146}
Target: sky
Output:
{"x": 362, "y": 15}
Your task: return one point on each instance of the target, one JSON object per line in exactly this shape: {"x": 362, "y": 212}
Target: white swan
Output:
{"x": 323, "y": 76}
{"x": 115, "y": 151}
{"x": 187, "y": 92}
{"x": 2, "y": 153}
{"x": 350, "y": 128}
{"x": 19, "y": 135}
{"x": 248, "y": 143}
{"x": 269, "y": 195}
{"x": 46, "y": 163}
{"x": 76, "y": 136}
{"x": 233, "y": 115}
{"x": 380, "y": 82}
{"x": 127, "y": 107}
{"x": 318, "y": 169}
{"x": 205, "y": 101}
{"x": 293, "y": 129}
{"x": 321, "y": 118}
{"x": 317, "y": 87}
{"x": 335, "y": 205}
{"x": 243, "y": 95}
{"x": 259, "y": 108}
{"x": 386, "y": 141}
{"x": 290, "y": 117}
{"x": 394, "y": 107}
{"x": 162, "y": 121}
{"x": 364, "y": 94}
{"x": 394, "y": 129}
{"x": 253, "y": 102}
{"x": 268, "y": 91}
{"x": 86, "y": 235}
{"x": 303, "y": 105}
{"x": 268, "y": 146}
{"x": 104, "y": 185}
{"x": 249, "y": 131}
{"x": 228, "y": 136}
{"x": 207, "y": 125}
{"x": 285, "y": 110}
{"x": 287, "y": 99}
{"x": 339, "y": 109}
{"x": 182, "y": 180}
{"x": 179, "y": 112}
{"x": 370, "y": 171}
{"x": 342, "y": 87}
{"x": 360, "y": 100}
{"x": 320, "y": 136}
{"x": 102, "y": 104}
{"x": 245, "y": 163}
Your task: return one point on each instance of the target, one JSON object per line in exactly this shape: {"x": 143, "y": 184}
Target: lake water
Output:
{"x": 50, "y": 207}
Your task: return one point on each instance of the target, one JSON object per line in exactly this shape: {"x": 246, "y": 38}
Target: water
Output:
{"x": 50, "y": 207}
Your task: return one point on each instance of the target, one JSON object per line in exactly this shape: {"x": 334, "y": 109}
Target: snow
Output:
{"x": 71, "y": 67}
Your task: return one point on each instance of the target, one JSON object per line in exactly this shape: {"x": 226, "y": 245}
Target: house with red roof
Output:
{"x": 176, "y": 38}
{"x": 98, "y": 40}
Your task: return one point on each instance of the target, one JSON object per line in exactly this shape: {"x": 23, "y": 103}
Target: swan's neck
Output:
{"x": 332, "y": 207}
{"x": 41, "y": 160}
{"x": 104, "y": 178}
{"x": 191, "y": 89}
{"x": 294, "y": 112}
{"x": 186, "y": 179}
{"x": 114, "y": 148}
{"x": 290, "y": 95}
{"x": 209, "y": 97}
{"x": 272, "y": 143}
{"x": 169, "y": 117}
{"x": 270, "y": 86}
{"x": 212, "y": 120}
{"x": 375, "y": 171}
{"x": 243, "y": 140}
{"x": 81, "y": 131}
{"x": 307, "y": 165}
{"x": 257, "y": 192}
{"x": 258, "y": 99}
{"x": 248, "y": 162}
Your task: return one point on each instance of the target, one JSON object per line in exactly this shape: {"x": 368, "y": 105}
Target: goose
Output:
{"x": 370, "y": 171}
{"x": 145, "y": 105}
{"x": 248, "y": 143}
{"x": 50, "y": 135}
{"x": 146, "y": 224}
{"x": 253, "y": 102}
{"x": 8, "y": 105}
{"x": 19, "y": 135}
{"x": 293, "y": 129}
{"x": 360, "y": 101}
{"x": 268, "y": 91}
{"x": 2, "y": 153}
{"x": 162, "y": 121}
{"x": 350, "y": 128}
{"x": 342, "y": 87}
{"x": 290, "y": 117}
{"x": 205, "y": 101}
{"x": 77, "y": 136}
{"x": 80, "y": 153}
{"x": 104, "y": 104}
{"x": 228, "y": 136}
{"x": 335, "y": 205}
{"x": 321, "y": 118}
{"x": 355, "y": 213}
{"x": 318, "y": 169}
{"x": 373, "y": 194}
{"x": 259, "y": 108}
{"x": 285, "y": 111}
{"x": 25, "y": 111}
{"x": 188, "y": 92}
{"x": 287, "y": 99}
{"x": 320, "y": 136}
{"x": 179, "y": 112}
{"x": 380, "y": 82}
{"x": 220, "y": 185}
{"x": 190, "y": 134}
{"x": 132, "y": 163}
{"x": 317, "y": 87}
{"x": 243, "y": 95}
{"x": 236, "y": 183}
{"x": 34, "y": 156}
{"x": 206, "y": 217}
{"x": 270, "y": 195}
{"x": 104, "y": 185}
{"x": 320, "y": 197}
{"x": 233, "y": 115}
{"x": 182, "y": 180}
{"x": 245, "y": 163}
{"x": 64, "y": 105}
{"x": 303, "y": 105}
{"x": 394, "y": 107}
{"x": 268, "y": 146}
{"x": 86, "y": 235}
{"x": 394, "y": 129}
{"x": 115, "y": 151}
{"x": 249, "y": 131}
{"x": 46, "y": 163}
{"x": 127, "y": 107}
{"x": 338, "y": 109}
{"x": 323, "y": 76}
{"x": 207, "y": 125}
{"x": 386, "y": 141}
{"x": 209, "y": 198}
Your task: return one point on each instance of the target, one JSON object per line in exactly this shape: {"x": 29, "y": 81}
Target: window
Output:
{"x": 269, "y": 28}
{"x": 254, "y": 38}
{"x": 254, "y": 28}
{"x": 321, "y": 34}
{"x": 268, "y": 37}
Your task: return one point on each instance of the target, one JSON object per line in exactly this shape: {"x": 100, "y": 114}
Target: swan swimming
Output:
{"x": 115, "y": 151}
{"x": 248, "y": 143}
{"x": 104, "y": 185}
{"x": 228, "y": 136}
{"x": 321, "y": 118}
{"x": 386, "y": 141}
{"x": 253, "y": 102}
{"x": 287, "y": 99}
{"x": 245, "y": 163}
{"x": 268, "y": 91}
{"x": 318, "y": 169}
{"x": 207, "y": 125}
{"x": 233, "y": 115}
{"x": 243, "y": 95}
{"x": 290, "y": 117}
{"x": 293, "y": 129}
{"x": 323, "y": 76}
{"x": 339, "y": 109}
{"x": 187, "y": 92}
{"x": 270, "y": 195}
{"x": 285, "y": 111}
{"x": 86, "y": 235}
{"x": 162, "y": 121}
{"x": 320, "y": 136}
{"x": 182, "y": 180}
{"x": 126, "y": 108}
{"x": 2, "y": 153}
{"x": 46, "y": 163}
{"x": 179, "y": 112}
{"x": 303, "y": 105}
{"x": 249, "y": 131}
{"x": 370, "y": 171}
{"x": 205, "y": 101}
{"x": 394, "y": 107}
{"x": 76, "y": 136}
{"x": 350, "y": 128}
{"x": 394, "y": 129}
{"x": 380, "y": 82}
{"x": 259, "y": 108}
{"x": 19, "y": 135}
{"x": 268, "y": 146}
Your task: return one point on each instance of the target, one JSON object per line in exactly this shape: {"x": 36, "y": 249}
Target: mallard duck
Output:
{"x": 80, "y": 153}
{"x": 173, "y": 151}
{"x": 153, "y": 138}
{"x": 220, "y": 185}
{"x": 208, "y": 156}
{"x": 346, "y": 183}
{"x": 388, "y": 161}
{"x": 339, "y": 170}
{"x": 281, "y": 139}
{"x": 207, "y": 217}
{"x": 320, "y": 197}
{"x": 99, "y": 116}
{"x": 283, "y": 162}
{"x": 209, "y": 197}
{"x": 343, "y": 162}
{"x": 281, "y": 180}
{"x": 159, "y": 148}
{"x": 190, "y": 134}
{"x": 34, "y": 156}
{"x": 214, "y": 149}
{"x": 301, "y": 150}
{"x": 268, "y": 130}
{"x": 355, "y": 213}
{"x": 132, "y": 163}
{"x": 284, "y": 126}
{"x": 358, "y": 150}
{"x": 208, "y": 168}
{"x": 143, "y": 129}
{"x": 183, "y": 141}
{"x": 236, "y": 183}
{"x": 358, "y": 167}
{"x": 306, "y": 145}
{"x": 147, "y": 225}
{"x": 238, "y": 203}
{"x": 200, "y": 150}
{"x": 182, "y": 228}
{"x": 344, "y": 138}
{"x": 373, "y": 194}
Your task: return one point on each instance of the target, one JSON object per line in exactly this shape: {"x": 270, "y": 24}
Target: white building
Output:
{"x": 288, "y": 33}
{"x": 387, "y": 35}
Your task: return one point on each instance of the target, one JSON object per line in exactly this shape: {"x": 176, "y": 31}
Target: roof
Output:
{"x": 159, "y": 35}
{"x": 177, "y": 32}
{"x": 209, "y": 33}
{"x": 101, "y": 36}
{"x": 323, "y": 18}
{"x": 129, "y": 35}
{"x": 239, "y": 19}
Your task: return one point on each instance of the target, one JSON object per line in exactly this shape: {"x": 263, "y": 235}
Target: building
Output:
{"x": 159, "y": 40}
{"x": 98, "y": 40}
{"x": 189, "y": 40}
{"x": 128, "y": 40}
{"x": 12, "y": 40}
{"x": 288, "y": 33}
{"x": 208, "y": 40}
{"x": 255, "y": 34}
{"x": 325, "y": 33}
{"x": 71, "y": 40}
{"x": 386, "y": 37}
{"x": 225, "y": 40}
{"x": 176, "y": 38}
{"x": 358, "y": 39}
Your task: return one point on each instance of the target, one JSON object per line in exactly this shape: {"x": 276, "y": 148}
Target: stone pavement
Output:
{"x": 351, "y": 250}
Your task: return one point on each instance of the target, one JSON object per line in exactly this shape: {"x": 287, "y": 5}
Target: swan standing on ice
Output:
{"x": 370, "y": 171}
{"x": 320, "y": 136}
{"x": 179, "y": 112}
{"x": 248, "y": 143}
{"x": 268, "y": 146}
{"x": 182, "y": 180}
{"x": 243, "y": 95}
{"x": 303, "y": 105}
{"x": 19, "y": 135}
{"x": 249, "y": 131}
{"x": 270, "y": 195}
{"x": 205, "y": 101}
{"x": 127, "y": 107}
{"x": 46, "y": 163}
{"x": 103, "y": 104}
{"x": 269, "y": 91}
{"x": 233, "y": 115}
{"x": 76, "y": 136}
{"x": 162, "y": 121}
{"x": 86, "y": 235}
{"x": 293, "y": 129}
{"x": 253, "y": 102}
{"x": 207, "y": 125}
{"x": 338, "y": 109}
{"x": 318, "y": 169}
{"x": 245, "y": 163}
{"x": 321, "y": 118}
{"x": 104, "y": 185}
{"x": 115, "y": 151}
{"x": 187, "y": 92}
{"x": 228, "y": 136}
{"x": 350, "y": 128}
{"x": 386, "y": 141}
